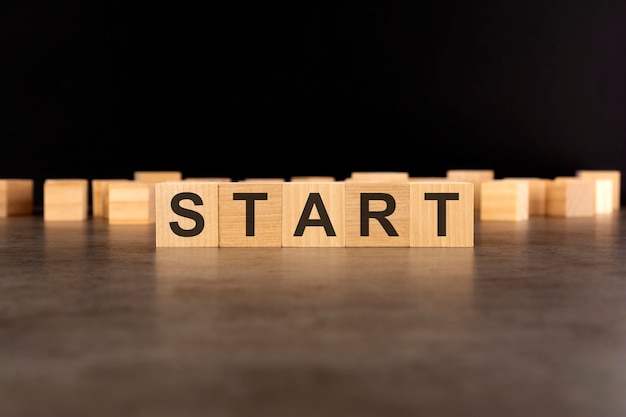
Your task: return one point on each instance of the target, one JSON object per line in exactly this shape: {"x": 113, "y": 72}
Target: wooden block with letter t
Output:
{"x": 570, "y": 197}
{"x": 16, "y": 197}
{"x": 505, "y": 200}
{"x": 187, "y": 214}
{"x": 613, "y": 175}
{"x": 313, "y": 214}
{"x": 377, "y": 214}
{"x": 131, "y": 202}
{"x": 442, "y": 214}
{"x": 250, "y": 214}
{"x": 66, "y": 199}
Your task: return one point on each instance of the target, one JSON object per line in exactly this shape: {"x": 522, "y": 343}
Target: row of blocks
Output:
{"x": 123, "y": 201}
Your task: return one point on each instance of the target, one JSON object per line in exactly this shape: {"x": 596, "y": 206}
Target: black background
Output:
{"x": 100, "y": 89}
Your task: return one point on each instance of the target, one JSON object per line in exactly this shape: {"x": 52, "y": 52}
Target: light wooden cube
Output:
{"x": 157, "y": 176}
{"x": 604, "y": 196}
{"x": 313, "y": 214}
{"x": 263, "y": 180}
{"x": 475, "y": 176}
{"x": 16, "y": 197}
{"x": 65, "y": 199}
{"x": 377, "y": 214}
{"x": 187, "y": 214}
{"x": 442, "y": 214}
{"x": 536, "y": 194}
{"x": 250, "y": 214}
{"x": 313, "y": 178}
{"x": 505, "y": 200}
{"x": 99, "y": 196}
{"x": 208, "y": 179}
{"x": 379, "y": 176}
{"x": 613, "y": 175}
{"x": 131, "y": 202}
{"x": 570, "y": 197}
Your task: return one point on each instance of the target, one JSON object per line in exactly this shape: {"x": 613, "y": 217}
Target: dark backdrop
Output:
{"x": 99, "y": 89}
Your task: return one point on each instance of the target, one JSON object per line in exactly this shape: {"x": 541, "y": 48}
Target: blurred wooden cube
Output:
{"x": 187, "y": 214}
{"x": 157, "y": 176}
{"x": 605, "y": 195}
{"x": 131, "y": 202}
{"x": 208, "y": 179}
{"x": 505, "y": 200}
{"x": 312, "y": 178}
{"x": 65, "y": 199}
{"x": 570, "y": 197}
{"x": 379, "y": 176}
{"x": 613, "y": 175}
{"x": 475, "y": 176}
{"x": 99, "y": 196}
{"x": 536, "y": 194}
{"x": 16, "y": 197}
{"x": 377, "y": 214}
{"x": 313, "y": 214}
{"x": 442, "y": 214}
{"x": 250, "y": 214}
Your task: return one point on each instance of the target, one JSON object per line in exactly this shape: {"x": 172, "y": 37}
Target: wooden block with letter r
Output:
{"x": 313, "y": 214}
{"x": 131, "y": 202}
{"x": 504, "y": 200}
{"x": 16, "y": 197}
{"x": 442, "y": 214}
{"x": 377, "y": 214}
{"x": 186, "y": 214}
{"x": 65, "y": 199}
{"x": 250, "y": 214}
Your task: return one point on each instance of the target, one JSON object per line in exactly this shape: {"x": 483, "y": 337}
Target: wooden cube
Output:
{"x": 157, "y": 176}
{"x": 131, "y": 202}
{"x": 536, "y": 194}
{"x": 187, "y": 214}
{"x": 475, "y": 176}
{"x": 605, "y": 194}
{"x": 208, "y": 179}
{"x": 379, "y": 176}
{"x": 505, "y": 200}
{"x": 65, "y": 199}
{"x": 570, "y": 197}
{"x": 313, "y": 178}
{"x": 250, "y": 214}
{"x": 16, "y": 197}
{"x": 613, "y": 175}
{"x": 99, "y": 196}
{"x": 377, "y": 214}
{"x": 313, "y": 214}
{"x": 441, "y": 214}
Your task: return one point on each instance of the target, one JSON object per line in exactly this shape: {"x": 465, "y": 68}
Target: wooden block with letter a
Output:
{"x": 187, "y": 214}
{"x": 377, "y": 214}
{"x": 570, "y": 197}
{"x": 313, "y": 214}
{"x": 613, "y": 175}
{"x": 505, "y": 200}
{"x": 475, "y": 176}
{"x": 65, "y": 199}
{"x": 250, "y": 214}
{"x": 16, "y": 197}
{"x": 442, "y": 214}
{"x": 131, "y": 202}
{"x": 157, "y": 176}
